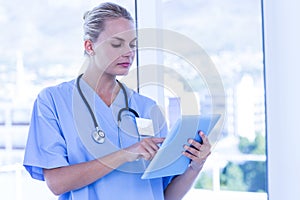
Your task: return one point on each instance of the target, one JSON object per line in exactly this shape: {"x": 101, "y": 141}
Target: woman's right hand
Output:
{"x": 145, "y": 149}
{"x": 67, "y": 178}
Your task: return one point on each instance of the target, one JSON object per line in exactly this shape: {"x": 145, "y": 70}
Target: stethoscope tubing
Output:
{"x": 85, "y": 101}
{"x": 100, "y": 132}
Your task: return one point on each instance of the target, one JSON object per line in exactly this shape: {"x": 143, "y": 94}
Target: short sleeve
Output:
{"x": 46, "y": 147}
{"x": 167, "y": 180}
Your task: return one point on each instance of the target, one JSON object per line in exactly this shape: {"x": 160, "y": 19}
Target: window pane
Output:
{"x": 41, "y": 45}
{"x": 230, "y": 33}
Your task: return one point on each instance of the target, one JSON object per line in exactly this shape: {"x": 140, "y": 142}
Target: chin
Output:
{"x": 122, "y": 72}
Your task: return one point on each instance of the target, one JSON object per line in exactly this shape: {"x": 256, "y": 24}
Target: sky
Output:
{"x": 46, "y": 31}
{"x": 49, "y": 33}
{"x": 228, "y": 30}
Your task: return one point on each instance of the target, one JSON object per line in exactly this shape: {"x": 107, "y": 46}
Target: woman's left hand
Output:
{"x": 198, "y": 152}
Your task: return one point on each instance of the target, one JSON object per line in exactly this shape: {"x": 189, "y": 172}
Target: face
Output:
{"x": 115, "y": 47}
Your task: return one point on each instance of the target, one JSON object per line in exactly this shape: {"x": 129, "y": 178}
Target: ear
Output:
{"x": 89, "y": 47}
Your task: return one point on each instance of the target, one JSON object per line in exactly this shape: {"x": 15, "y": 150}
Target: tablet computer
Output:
{"x": 169, "y": 160}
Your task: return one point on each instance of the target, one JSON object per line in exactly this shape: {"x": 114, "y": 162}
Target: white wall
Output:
{"x": 282, "y": 54}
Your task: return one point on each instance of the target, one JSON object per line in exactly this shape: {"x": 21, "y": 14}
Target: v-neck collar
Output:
{"x": 99, "y": 106}
{"x": 92, "y": 95}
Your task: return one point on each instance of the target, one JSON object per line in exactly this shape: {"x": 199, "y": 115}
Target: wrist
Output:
{"x": 197, "y": 167}
{"x": 128, "y": 156}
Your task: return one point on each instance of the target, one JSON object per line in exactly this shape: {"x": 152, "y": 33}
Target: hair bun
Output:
{"x": 86, "y": 14}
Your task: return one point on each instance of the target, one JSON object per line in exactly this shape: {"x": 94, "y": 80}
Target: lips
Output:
{"x": 124, "y": 64}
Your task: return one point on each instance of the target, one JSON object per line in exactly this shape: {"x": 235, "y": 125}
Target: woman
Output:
{"x": 55, "y": 150}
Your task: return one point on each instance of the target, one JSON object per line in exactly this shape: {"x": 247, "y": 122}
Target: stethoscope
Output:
{"x": 98, "y": 135}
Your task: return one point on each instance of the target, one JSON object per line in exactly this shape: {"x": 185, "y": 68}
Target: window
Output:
{"x": 41, "y": 45}
{"x": 230, "y": 32}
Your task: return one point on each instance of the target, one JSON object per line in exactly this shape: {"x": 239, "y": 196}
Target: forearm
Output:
{"x": 181, "y": 184}
{"x": 64, "y": 179}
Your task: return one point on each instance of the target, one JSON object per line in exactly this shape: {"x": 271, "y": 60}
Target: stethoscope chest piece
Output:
{"x": 98, "y": 136}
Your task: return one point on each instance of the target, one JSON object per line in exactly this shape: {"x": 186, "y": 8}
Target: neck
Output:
{"x": 104, "y": 85}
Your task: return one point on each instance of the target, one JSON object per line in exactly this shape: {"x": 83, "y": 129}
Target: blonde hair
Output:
{"x": 94, "y": 20}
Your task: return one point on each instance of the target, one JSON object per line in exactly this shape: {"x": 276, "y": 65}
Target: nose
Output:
{"x": 129, "y": 51}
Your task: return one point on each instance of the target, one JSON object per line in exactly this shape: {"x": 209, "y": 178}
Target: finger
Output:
{"x": 203, "y": 137}
{"x": 193, "y": 157}
{"x": 146, "y": 156}
{"x": 153, "y": 142}
{"x": 194, "y": 143}
{"x": 190, "y": 156}
{"x": 205, "y": 149}
{"x": 197, "y": 149}
{"x": 157, "y": 140}
{"x": 147, "y": 153}
{"x": 150, "y": 148}
{"x": 202, "y": 148}
{"x": 149, "y": 145}
{"x": 192, "y": 150}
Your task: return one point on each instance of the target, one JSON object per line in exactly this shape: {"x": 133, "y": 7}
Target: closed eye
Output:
{"x": 116, "y": 45}
{"x": 133, "y": 43}
{"x": 132, "y": 46}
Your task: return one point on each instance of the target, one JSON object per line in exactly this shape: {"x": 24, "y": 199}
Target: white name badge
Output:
{"x": 145, "y": 126}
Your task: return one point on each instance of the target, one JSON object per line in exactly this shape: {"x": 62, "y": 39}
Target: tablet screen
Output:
{"x": 169, "y": 159}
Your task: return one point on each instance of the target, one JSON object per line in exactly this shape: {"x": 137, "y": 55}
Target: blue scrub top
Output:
{"x": 60, "y": 135}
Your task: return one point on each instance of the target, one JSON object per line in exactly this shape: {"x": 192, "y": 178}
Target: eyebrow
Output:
{"x": 121, "y": 39}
